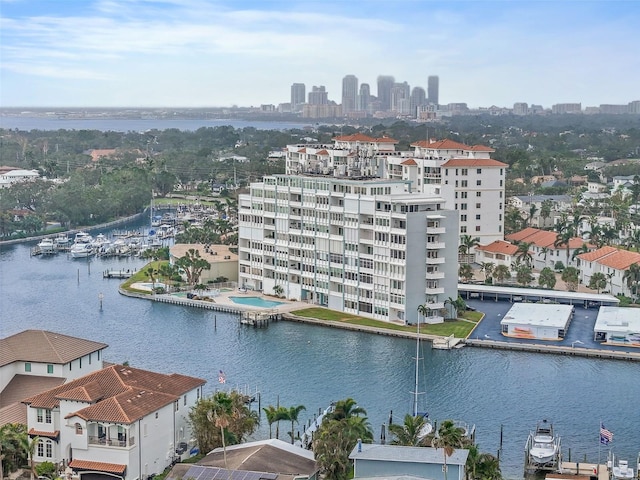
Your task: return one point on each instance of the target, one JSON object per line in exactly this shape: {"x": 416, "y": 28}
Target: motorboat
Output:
{"x": 46, "y": 246}
{"x": 622, "y": 471}
{"x": 62, "y": 240}
{"x": 544, "y": 446}
{"x": 82, "y": 237}
{"x": 81, "y": 250}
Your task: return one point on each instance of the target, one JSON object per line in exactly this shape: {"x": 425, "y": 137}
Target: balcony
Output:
{"x": 434, "y": 275}
{"x": 434, "y": 291}
{"x": 120, "y": 442}
{"x": 435, "y": 245}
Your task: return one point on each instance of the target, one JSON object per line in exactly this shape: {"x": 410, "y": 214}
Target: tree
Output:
{"x": 523, "y": 254}
{"x": 271, "y": 413}
{"x": 227, "y": 411}
{"x": 423, "y": 310}
{"x": 12, "y": 453}
{"x": 631, "y": 278}
{"x": 337, "y": 436}
{"x": 501, "y": 273}
{"x": 488, "y": 467}
{"x": 547, "y": 278}
{"x": 487, "y": 268}
{"x": 598, "y": 281}
{"x": 278, "y": 290}
{"x": 292, "y": 416}
{"x": 523, "y": 273}
{"x": 465, "y": 272}
{"x": 571, "y": 276}
{"x": 448, "y": 438}
{"x": 192, "y": 264}
{"x": 408, "y": 434}
{"x": 467, "y": 243}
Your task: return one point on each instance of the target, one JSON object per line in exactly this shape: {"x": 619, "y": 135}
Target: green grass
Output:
{"x": 141, "y": 276}
{"x": 457, "y": 328}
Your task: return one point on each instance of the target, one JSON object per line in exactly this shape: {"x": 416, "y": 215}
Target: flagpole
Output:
{"x": 599, "y": 443}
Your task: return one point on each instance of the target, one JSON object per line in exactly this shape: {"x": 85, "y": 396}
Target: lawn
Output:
{"x": 457, "y": 328}
{"x": 142, "y": 276}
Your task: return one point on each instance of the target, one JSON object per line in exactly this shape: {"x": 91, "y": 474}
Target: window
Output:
{"x": 479, "y": 171}
{"x": 478, "y": 182}
{"x": 27, "y": 367}
{"x": 50, "y": 368}
{"x": 177, "y": 405}
{"x": 39, "y": 415}
{"x": 47, "y": 416}
{"x": 184, "y": 400}
{"x": 49, "y": 448}
{"x": 78, "y": 429}
{"x": 477, "y": 228}
{"x": 41, "y": 448}
{"x": 478, "y": 194}
{"x": 463, "y": 218}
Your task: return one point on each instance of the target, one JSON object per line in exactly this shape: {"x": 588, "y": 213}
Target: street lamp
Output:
{"x": 573, "y": 344}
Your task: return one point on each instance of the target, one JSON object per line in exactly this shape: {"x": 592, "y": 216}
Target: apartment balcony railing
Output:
{"x": 122, "y": 442}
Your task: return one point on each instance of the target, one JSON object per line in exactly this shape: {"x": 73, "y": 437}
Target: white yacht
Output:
{"x": 82, "y": 237}
{"x": 81, "y": 250}
{"x": 544, "y": 446}
{"x": 46, "y": 246}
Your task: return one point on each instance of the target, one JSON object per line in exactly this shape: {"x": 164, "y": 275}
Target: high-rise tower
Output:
{"x": 349, "y": 93}
{"x": 318, "y": 96}
{"x": 385, "y": 84}
{"x": 432, "y": 89}
{"x": 364, "y": 98}
{"x": 297, "y": 96}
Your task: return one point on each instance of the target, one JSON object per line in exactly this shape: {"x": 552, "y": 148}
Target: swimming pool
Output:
{"x": 255, "y": 302}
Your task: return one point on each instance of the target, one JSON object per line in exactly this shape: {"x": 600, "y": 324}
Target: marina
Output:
{"x": 503, "y": 392}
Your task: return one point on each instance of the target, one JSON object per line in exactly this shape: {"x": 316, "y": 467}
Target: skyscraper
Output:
{"x": 385, "y": 84}
{"x": 418, "y": 98}
{"x": 364, "y": 98}
{"x": 432, "y": 89}
{"x": 318, "y": 96}
{"x": 400, "y": 93}
{"x": 298, "y": 95}
{"x": 349, "y": 93}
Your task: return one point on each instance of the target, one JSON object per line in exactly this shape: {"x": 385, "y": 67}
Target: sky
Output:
{"x": 208, "y": 53}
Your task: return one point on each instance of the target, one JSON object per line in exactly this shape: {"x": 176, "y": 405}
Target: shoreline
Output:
{"x": 492, "y": 344}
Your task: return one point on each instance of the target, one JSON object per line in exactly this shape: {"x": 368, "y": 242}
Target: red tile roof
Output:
{"x": 41, "y": 433}
{"x": 97, "y": 466}
{"x": 411, "y": 161}
{"x": 302, "y": 150}
{"x": 441, "y": 145}
{"x": 620, "y": 260}
{"x": 481, "y": 148}
{"x": 544, "y": 238}
{"x": 45, "y": 347}
{"x": 322, "y": 152}
{"x": 596, "y": 254}
{"x": 499, "y": 246}
{"x": 473, "y": 163}
{"x": 122, "y": 394}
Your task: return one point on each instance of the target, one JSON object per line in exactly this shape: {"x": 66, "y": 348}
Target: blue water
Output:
{"x": 297, "y": 364}
{"x": 255, "y": 302}
{"x": 135, "y": 124}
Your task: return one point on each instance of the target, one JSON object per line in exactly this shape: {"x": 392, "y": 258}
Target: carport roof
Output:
{"x": 538, "y": 292}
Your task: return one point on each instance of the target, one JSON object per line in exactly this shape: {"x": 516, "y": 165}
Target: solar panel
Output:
{"x": 201, "y": 472}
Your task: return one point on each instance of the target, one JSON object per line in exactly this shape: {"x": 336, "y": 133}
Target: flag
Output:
{"x": 605, "y": 435}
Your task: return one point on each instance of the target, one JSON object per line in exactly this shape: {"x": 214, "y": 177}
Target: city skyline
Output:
{"x": 198, "y": 53}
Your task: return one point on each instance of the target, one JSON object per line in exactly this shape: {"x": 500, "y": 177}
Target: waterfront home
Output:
{"x": 543, "y": 248}
{"x": 386, "y": 461}
{"x": 33, "y": 361}
{"x": 121, "y": 422}
{"x": 613, "y": 263}
{"x": 224, "y": 263}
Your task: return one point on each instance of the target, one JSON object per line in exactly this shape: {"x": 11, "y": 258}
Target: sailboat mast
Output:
{"x": 415, "y": 390}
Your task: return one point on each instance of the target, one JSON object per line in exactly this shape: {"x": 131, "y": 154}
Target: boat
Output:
{"x": 46, "y": 246}
{"x": 81, "y": 250}
{"x": 82, "y": 237}
{"x": 62, "y": 240}
{"x": 622, "y": 471}
{"x": 543, "y": 447}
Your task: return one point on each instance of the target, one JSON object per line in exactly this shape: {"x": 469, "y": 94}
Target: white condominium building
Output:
{"x": 466, "y": 177}
{"x": 368, "y": 247}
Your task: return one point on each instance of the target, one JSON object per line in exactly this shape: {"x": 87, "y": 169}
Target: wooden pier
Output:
{"x": 117, "y": 273}
{"x": 259, "y": 319}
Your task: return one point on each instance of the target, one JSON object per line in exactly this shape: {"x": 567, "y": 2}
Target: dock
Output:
{"x": 571, "y": 469}
{"x": 117, "y": 273}
{"x": 259, "y": 319}
{"x": 306, "y": 440}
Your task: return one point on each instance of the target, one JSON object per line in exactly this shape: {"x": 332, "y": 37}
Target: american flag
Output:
{"x": 605, "y": 435}
{"x": 222, "y": 377}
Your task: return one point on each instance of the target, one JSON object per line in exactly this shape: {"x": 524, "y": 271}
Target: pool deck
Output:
{"x": 219, "y": 300}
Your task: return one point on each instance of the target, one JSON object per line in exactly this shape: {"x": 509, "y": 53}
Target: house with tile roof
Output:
{"x": 33, "y": 361}
{"x": 120, "y": 422}
{"x": 613, "y": 263}
{"x": 497, "y": 252}
{"x": 544, "y": 250}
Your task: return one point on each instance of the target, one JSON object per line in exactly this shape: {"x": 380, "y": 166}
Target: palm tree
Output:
{"x": 523, "y": 254}
{"x": 220, "y": 415}
{"x": 547, "y": 278}
{"x": 571, "y": 276}
{"x": 271, "y": 413}
{"x": 423, "y": 310}
{"x": 408, "y": 434}
{"x": 29, "y": 445}
{"x": 465, "y": 272}
{"x": 545, "y": 211}
{"x": 598, "y": 281}
{"x": 467, "y": 243}
{"x": 448, "y": 438}
{"x": 631, "y": 278}
{"x": 489, "y": 467}
{"x": 533, "y": 209}
{"x": 345, "y": 409}
{"x": 501, "y": 273}
{"x": 292, "y": 415}
{"x": 487, "y": 268}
